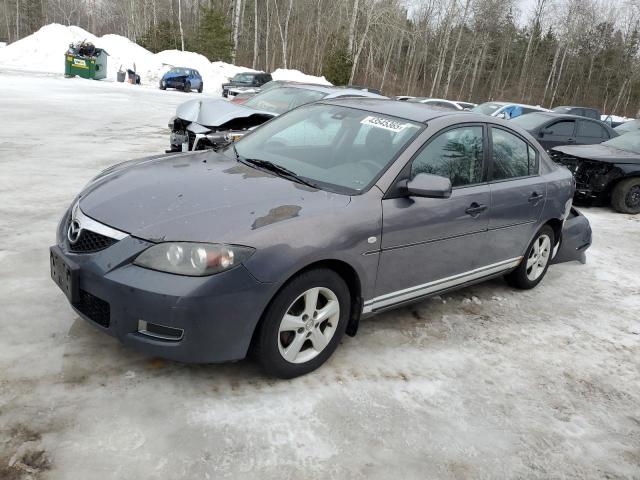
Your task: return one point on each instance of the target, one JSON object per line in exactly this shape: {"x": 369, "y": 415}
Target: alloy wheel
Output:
{"x": 538, "y": 257}
{"x": 308, "y": 325}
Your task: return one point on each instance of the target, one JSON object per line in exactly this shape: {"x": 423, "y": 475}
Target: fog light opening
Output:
{"x": 160, "y": 332}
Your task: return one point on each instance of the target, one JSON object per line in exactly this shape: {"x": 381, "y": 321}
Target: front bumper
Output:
{"x": 215, "y": 316}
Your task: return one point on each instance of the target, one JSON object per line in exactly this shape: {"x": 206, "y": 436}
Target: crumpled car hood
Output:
{"x": 203, "y": 197}
{"x": 600, "y": 153}
{"x": 214, "y": 113}
{"x": 174, "y": 76}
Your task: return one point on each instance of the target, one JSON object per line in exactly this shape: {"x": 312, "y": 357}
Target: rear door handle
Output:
{"x": 535, "y": 198}
{"x": 571, "y": 140}
{"x": 475, "y": 209}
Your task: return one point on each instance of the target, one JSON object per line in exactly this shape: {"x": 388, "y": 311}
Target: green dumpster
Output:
{"x": 85, "y": 62}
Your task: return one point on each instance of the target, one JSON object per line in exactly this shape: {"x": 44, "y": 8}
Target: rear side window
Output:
{"x": 456, "y": 154}
{"x": 563, "y": 129}
{"x": 591, "y": 129}
{"x": 512, "y": 156}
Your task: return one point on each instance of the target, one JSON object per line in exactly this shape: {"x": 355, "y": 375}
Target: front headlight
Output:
{"x": 193, "y": 259}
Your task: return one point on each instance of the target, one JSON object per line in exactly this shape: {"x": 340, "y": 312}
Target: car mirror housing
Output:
{"x": 546, "y": 131}
{"x": 429, "y": 186}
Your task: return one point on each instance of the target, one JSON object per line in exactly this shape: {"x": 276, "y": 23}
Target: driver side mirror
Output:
{"x": 546, "y": 131}
{"x": 429, "y": 186}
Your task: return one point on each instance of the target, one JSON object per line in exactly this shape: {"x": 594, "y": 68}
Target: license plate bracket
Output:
{"x": 64, "y": 273}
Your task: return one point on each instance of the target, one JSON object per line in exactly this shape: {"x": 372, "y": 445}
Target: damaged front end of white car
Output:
{"x": 211, "y": 124}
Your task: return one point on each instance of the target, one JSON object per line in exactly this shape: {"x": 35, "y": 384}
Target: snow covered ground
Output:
{"x": 486, "y": 382}
{"x": 43, "y": 51}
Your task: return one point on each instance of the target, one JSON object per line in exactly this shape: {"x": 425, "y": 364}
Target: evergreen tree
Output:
{"x": 213, "y": 38}
{"x": 163, "y": 37}
{"x": 337, "y": 65}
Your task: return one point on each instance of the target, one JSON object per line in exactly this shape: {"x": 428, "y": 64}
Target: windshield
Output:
{"x": 629, "y": 142}
{"x": 487, "y": 108}
{"x": 530, "y": 121}
{"x": 243, "y": 78}
{"x": 179, "y": 71}
{"x": 280, "y": 100}
{"x": 628, "y": 126}
{"x": 336, "y": 148}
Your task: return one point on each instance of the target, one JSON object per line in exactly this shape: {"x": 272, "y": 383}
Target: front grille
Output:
{"x": 94, "y": 308}
{"x": 584, "y": 171}
{"x": 89, "y": 242}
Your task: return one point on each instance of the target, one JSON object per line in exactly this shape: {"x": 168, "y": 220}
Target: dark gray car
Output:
{"x": 329, "y": 213}
{"x": 557, "y": 129}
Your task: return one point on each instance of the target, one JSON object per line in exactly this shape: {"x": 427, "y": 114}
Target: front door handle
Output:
{"x": 475, "y": 209}
{"x": 535, "y": 198}
{"x": 571, "y": 140}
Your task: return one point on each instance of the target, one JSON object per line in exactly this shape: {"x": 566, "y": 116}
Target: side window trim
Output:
{"x": 490, "y": 160}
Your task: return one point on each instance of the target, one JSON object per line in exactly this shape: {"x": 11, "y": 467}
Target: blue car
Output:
{"x": 185, "y": 79}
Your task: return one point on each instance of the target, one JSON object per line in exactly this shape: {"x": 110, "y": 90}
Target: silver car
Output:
{"x": 213, "y": 123}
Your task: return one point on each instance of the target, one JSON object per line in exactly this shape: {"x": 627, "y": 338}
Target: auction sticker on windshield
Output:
{"x": 385, "y": 123}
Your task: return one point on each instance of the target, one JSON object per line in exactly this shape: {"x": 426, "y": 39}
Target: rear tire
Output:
{"x": 625, "y": 197}
{"x": 303, "y": 324}
{"x": 536, "y": 261}
{"x": 200, "y": 87}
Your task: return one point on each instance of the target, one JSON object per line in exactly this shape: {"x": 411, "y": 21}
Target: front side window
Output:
{"x": 337, "y": 148}
{"x": 512, "y": 156}
{"x": 280, "y": 100}
{"x": 456, "y": 154}
{"x": 562, "y": 129}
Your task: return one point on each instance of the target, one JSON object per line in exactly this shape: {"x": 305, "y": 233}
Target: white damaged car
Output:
{"x": 213, "y": 123}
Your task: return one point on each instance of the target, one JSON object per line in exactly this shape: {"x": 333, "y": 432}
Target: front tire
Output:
{"x": 304, "y": 324}
{"x": 187, "y": 87}
{"x": 625, "y": 197}
{"x": 536, "y": 261}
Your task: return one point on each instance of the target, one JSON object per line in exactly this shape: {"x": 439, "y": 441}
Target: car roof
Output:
{"x": 574, "y": 106}
{"x": 568, "y": 116}
{"x": 415, "y": 112}
{"x": 333, "y": 91}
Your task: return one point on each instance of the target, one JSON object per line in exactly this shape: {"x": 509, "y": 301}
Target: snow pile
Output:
{"x": 615, "y": 118}
{"x": 43, "y": 52}
{"x": 298, "y": 76}
{"x": 3, "y": 44}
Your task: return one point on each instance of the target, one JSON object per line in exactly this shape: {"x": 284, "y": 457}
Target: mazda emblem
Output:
{"x": 73, "y": 233}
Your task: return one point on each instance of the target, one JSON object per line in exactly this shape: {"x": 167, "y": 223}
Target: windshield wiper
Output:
{"x": 274, "y": 168}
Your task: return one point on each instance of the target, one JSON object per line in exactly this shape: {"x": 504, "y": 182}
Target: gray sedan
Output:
{"x": 334, "y": 211}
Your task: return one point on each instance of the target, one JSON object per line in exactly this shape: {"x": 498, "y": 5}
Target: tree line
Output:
{"x": 578, "y": 52}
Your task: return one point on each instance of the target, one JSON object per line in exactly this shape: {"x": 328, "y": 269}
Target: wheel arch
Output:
{"x": 347, "y": 272}
{"x": 556, "y": 225}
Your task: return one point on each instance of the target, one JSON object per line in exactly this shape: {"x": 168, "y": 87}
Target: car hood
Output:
{"x": 174, "y": 76}
{"x": 200, "y": 196}
{"x": 600, "y": 153}
{"x": 214, "y": 113}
